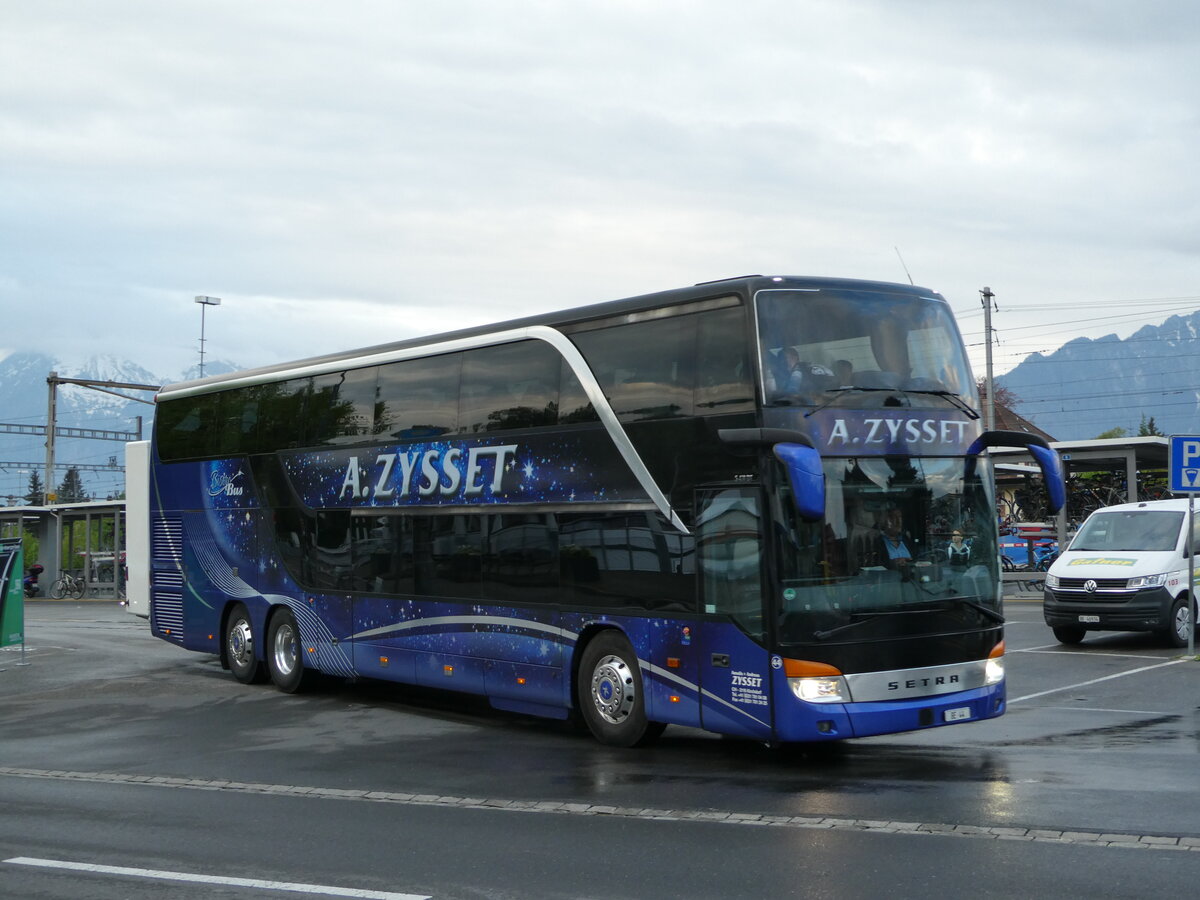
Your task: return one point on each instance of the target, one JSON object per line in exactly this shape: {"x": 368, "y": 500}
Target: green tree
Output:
{"x": 1148, "y": 428}
{"x": 1111, "y": 433}
{"x": 36, "y": 496}
{"x": 71, "y": 490}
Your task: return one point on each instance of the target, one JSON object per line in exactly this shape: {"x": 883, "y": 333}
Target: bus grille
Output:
{"x": 166, "y": 540}
{"x": 166, "y": 584}
{"x": 166, "y": 614}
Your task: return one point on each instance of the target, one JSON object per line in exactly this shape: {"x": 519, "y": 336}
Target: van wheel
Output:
{"x": 1068, "y": 634}
{"x": 610, "y": 693}
{"x": 1179, "y": 622}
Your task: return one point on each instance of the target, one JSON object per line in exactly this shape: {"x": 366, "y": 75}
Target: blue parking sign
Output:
{"x": 1183, "y": 463}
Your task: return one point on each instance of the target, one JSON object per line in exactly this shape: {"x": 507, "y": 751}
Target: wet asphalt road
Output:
{"x": 118, "y": 750}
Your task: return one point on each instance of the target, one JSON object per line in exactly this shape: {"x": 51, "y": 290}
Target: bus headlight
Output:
{"x": 993, "y": 672}
{"x": 816, "y": 682}
{"x": 821, "y": 689}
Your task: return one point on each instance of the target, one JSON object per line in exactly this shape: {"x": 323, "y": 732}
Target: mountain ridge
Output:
{"x": 25, "y": 401}
{"x": 1089, "y": 386}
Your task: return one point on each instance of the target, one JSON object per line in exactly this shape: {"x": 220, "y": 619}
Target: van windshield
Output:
{"x": 1129, "y": 530}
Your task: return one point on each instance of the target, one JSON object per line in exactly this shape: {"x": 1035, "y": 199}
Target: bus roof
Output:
{"x": 744, "y": 286}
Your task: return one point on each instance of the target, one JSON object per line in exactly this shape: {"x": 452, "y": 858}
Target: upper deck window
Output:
{"x": 814, "y": 344}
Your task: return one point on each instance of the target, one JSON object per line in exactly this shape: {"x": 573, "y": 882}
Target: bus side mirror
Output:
{"x": 1046, "y": 457}
{"x": 807, "y": 478}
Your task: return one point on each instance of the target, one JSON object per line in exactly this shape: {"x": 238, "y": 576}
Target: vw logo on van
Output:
{"x": 1090, "y": 585}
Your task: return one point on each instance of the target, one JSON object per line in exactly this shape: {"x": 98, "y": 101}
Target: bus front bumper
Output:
{"x": 851, "y": 720}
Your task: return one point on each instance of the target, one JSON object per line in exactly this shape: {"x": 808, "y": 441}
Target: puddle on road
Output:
{"x": 1108, "y": 737}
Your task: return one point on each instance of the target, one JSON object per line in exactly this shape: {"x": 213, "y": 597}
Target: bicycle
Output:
{"x": 68, "y": 585}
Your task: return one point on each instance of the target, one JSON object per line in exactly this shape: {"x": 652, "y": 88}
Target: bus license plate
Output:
{"x": 1091, "y": 620}
{"x": 957, "y": 715}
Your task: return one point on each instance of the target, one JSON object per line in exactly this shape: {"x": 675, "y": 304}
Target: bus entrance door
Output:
{"x": 735, "y": 674}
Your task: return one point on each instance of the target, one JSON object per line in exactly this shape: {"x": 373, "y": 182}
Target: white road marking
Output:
{"x": 1071, "y": 687}
{"x": 1101, "y": 709}
{"x": 159, "y": 875}
{"x": 707, "y": 816}
{"x": 1051, "y": 649}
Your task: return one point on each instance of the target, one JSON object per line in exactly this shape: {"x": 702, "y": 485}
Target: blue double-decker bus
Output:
{"x": 731, "y": 506}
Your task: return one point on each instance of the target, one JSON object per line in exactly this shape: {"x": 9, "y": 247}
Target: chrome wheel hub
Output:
{"x": 241, "y": 644}
{"x": 286, "y": 650}
{"x": 613, "y": 689}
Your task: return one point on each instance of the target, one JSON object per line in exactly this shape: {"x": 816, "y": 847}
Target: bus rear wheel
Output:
{"x": 239, "y": 648}
{"x": 284, "y": 657}
{"x": 610, "y": 694}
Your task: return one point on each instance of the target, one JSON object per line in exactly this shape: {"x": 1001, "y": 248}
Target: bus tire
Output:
{"x": 239, "y": 647}
{"x": 610, "y": 694}
{"x": 1178, "y": 622}
{"x": 285, "y": 657}
{"x": 1068, "y": 634}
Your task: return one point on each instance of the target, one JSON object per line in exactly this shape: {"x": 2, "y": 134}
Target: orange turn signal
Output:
{"x": 803, "y": 668}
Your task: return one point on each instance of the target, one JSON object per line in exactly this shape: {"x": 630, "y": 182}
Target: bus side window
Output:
{"x": 418, "y": 398}
{"x": 724, "y": 383}
{"x": 330, "y": 553}
{"x": 729, "y": 547}
{"x": 646, "y": 369}
{"x": 281, "y": 414}
{"x": 573, "y": 403}
{"x": 509, "y": 386}
{"x": 186, "y": 427}
{"x": 341, "y": 407}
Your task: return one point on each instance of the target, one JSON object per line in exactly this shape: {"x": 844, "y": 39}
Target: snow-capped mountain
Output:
{"x": 24, "y": 401}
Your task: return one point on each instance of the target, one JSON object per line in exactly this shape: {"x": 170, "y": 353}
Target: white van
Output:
{"x": 1126, "y": 570}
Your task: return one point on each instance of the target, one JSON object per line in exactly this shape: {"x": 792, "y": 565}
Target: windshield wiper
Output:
{"x": 954, "y": 399}
{"x": 839, "y": 392}
{"x": 868, "y": 617}
{"x": 936, "y": 606}
{"x": 948, "y": 395}
{"x": 979, "y": 607}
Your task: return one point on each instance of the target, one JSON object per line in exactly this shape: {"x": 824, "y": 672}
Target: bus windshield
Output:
{"x": 907, "y": 548}
{"x": 815, "y": 345}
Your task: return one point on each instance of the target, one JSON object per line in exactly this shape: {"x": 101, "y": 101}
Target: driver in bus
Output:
{"x": 895, "y": 547}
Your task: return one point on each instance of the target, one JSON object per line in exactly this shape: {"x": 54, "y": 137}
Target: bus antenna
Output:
{"x": 901, "y": 258}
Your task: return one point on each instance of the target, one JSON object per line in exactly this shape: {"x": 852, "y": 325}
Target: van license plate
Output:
{"x": 1091, "y": 620}
{"x": 957, "y": 715}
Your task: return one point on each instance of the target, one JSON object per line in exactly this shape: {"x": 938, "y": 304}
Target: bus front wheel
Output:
{"x": 610, "y": 694}
{"x": 284, "y": 654}
{"x": 239, "y": 648}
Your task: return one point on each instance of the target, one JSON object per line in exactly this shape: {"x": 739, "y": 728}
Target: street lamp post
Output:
{"x": 205, "y": 302}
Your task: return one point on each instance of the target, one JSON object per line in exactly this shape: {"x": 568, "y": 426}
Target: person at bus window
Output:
{"x": 843, "y": 373}
{"x": 958, "y": 552}
{"x": 803, "y": 376}
{"x": 895, "y": 547}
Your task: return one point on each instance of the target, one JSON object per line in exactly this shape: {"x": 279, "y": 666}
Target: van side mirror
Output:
{"x": 1043, "y": 454}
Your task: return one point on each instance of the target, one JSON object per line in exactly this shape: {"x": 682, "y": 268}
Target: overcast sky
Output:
{"x": 351, "y": 173}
